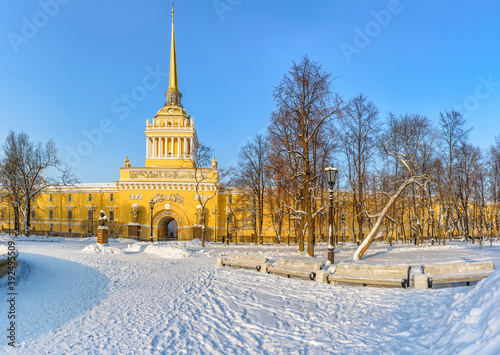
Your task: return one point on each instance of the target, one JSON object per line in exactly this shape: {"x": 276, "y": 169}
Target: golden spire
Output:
{"x": 173, "y": 86}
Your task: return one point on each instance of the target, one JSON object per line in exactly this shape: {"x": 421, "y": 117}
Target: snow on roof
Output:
{"x": 85, "y": 185}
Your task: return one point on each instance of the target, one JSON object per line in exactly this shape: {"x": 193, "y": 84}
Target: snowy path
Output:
{"x": 137, "y": 303}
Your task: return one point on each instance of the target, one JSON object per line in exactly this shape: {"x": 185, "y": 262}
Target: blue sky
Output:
{"x": 72, "y": 68}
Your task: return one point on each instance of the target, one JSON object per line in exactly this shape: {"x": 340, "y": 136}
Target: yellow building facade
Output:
{"x": 170, "y": 178}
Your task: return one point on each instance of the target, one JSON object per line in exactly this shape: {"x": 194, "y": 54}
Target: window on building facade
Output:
{"x": 112, "y": 215}
{"x": 51, "y": 198}
{"x": 230, "y": 199}
{"x": 111, "y": 197}
{"x": 70, "y": 198}
{"x": 90, "y": 214}
{"x": 2, "y": 214}
{"x": 51, "y": 227}
{"x": 70, "y": 213}
{"x": 33, "y": 214}
{"x": 90, "y": 198}
{"x": 51, "y": 214}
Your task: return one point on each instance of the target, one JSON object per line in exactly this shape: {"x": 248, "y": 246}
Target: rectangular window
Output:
{"x": 33, "y": 214}
{"x": 51, "y": 227}
{"x": 230, "y": 199}
{"x": 3, "y": 214}
{"x": 51, "y": 214}
{"x": 70, "y": 198}
{"x": 90, "y": 198}
{"x": 111, "y": 197}
{"x": 112, "y": 215}
{"x": 51, "y": 198}
{"x": 90, "y": 214}
{"x": 70, "y": 213}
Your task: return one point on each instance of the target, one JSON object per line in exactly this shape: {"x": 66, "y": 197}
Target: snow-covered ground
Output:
{"x": 77, "y": 297}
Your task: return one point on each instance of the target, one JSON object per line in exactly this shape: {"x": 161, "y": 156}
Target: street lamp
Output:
{"x": 152, "y": 205}
{"x": 331, "y": 176}
{"x": 16, "y": 218}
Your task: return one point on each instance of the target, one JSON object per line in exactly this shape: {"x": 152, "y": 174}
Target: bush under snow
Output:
{"x": 101, "y": 249}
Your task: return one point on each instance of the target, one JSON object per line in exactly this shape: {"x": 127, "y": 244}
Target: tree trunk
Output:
{"x": 369, "y": 239}
{"x": 27, "y": 218}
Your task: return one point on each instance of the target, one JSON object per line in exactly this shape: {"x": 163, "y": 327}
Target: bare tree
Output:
{"x": 251, "y": 178}
{"x": 416, "y": 143}
{"x": 360, "y": 128}
{"x": 24, "y": 167}
{"x": 208, "y": 178}
{"x": 452, "y": 136}
{"x": 305, "y": 105}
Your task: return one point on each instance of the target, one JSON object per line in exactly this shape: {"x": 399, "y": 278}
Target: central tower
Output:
{"x": 171, "y": 139}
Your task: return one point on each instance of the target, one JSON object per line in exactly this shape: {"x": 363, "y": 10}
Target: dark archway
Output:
{"x": 167, "y": 229}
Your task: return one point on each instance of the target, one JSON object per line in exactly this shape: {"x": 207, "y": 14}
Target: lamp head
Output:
{"x": 331, "y": 175}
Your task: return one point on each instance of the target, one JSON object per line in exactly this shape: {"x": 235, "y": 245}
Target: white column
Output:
{"x": 178, "y": 147}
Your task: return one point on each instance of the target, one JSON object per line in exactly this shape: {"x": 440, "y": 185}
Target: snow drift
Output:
{"x": 471, "y": 325}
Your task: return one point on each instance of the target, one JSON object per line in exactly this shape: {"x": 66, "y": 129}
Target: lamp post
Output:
{"x": 228, "y": 214}
{"x": 331, "y": 176}
{"x": 432, "y": 218}
{"x": 343, "y": 228}
{"x": 215, "y": 223}
{"x": 93, "y": 208}
{"x": 16, "y": 218}
{"x": 152, "y": 205}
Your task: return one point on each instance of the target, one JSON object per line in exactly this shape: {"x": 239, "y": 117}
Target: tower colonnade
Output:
{"x": 169, "y": 146}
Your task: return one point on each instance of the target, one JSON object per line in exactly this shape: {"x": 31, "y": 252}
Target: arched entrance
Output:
{"x": 167, "y": 228}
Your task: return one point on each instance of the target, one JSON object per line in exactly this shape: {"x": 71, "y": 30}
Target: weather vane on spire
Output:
{"x": 172, "y": 10}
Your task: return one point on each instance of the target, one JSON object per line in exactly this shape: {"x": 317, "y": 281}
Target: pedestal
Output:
{"x": 322, "y": 276}
{"x": 134, "y": 230}
{"x": 102, "y": 235}
{"x": 420, "y": 282}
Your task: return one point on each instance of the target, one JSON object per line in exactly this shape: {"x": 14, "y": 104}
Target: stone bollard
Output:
{"x": 263, "y": 267}
{"x": 420, "y": 282}
{"x": 102, "y": 235}
{"x": 322, "y": 276}
{"x": 219, "y": 262}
